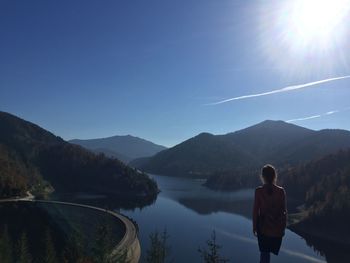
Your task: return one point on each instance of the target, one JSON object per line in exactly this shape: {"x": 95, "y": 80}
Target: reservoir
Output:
{"x": 190, "y": 213}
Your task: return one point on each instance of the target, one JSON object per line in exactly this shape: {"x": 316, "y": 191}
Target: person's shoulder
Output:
{"x": 258, "y": 189}
{"x": 280, "y": 188}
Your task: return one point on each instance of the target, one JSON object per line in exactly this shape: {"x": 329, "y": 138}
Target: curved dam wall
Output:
{"x": 85, "y": 219}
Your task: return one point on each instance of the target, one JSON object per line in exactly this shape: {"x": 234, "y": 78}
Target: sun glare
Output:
{"x": 303, "y": 36}
{"x": 316, "y": 19}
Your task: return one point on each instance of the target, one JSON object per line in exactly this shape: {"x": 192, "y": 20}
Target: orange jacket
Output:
{"x": 270, "y": 212}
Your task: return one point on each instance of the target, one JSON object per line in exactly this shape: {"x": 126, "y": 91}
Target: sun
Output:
{"x": 304, "y": 36}
{"x": 310, "y": 20}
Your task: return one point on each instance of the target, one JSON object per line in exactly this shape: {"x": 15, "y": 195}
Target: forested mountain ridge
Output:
{"x": 125, "y": 148}
{"x": 32, "y": 154}
{"x": 230, "y": 160}
{"x": 15, "y": 175}
{"x": 323, "y": 186}
{"x": 199, "y": 156}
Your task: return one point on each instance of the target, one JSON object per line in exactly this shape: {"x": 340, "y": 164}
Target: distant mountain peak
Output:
{"x": 269, "y": 122}
{"x": 276, "y": 125}
{"x": 31, "y": 154}
{"x": 126, "y": 147}
{"x": 204, "y": 134}
{"x": 270, "y": 141}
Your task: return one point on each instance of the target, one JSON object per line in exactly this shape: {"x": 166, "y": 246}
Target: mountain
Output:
{"x": 32, "y": 158}
{"x": 125, "y": 148}
{"x": 265, "y": 140}
{"x": 111, "y": 154}
{"x": 230, "y": 160}
{"x": 15, "y": 175}
{"x": 323, "y": 186}
{"x": 199, "y": 156}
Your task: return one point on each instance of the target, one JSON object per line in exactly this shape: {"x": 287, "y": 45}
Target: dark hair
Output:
{"x": 268, "y": 174}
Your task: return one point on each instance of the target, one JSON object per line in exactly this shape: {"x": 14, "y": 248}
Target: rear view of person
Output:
{"x": 269, "y": 214}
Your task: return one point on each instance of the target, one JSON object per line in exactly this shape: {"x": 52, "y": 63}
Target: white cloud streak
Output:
{"x": 318, "y": 115}
{"x": 306, "y": 118}
{"x": 285, "y": 89}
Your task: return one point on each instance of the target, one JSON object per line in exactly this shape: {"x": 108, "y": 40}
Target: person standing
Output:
{"x": 269, "y": 214}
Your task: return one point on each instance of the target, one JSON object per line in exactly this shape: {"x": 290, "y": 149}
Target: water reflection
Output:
{"x": 190, "y": 212}
{"x": 193, "y": 195}
{"x": 111, "y": 202}
{"x": 333, "y": 252}
{"x": 206, "y": 206}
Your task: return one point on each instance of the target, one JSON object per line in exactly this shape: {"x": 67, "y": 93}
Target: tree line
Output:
{"x": 159, "y": 251}
{"x": 323, "y": 186}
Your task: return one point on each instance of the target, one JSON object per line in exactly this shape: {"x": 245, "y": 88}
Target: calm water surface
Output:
{"x": 190, "y": 212}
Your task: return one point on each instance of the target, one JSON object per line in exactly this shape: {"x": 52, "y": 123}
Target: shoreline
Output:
{"x": 298, "y": 224}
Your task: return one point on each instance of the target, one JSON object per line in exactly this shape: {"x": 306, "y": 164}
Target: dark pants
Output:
{"x": 269, "y": 244}
{"x": 264, "y": 257}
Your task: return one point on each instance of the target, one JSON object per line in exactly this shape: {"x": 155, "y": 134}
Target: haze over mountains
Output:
{"x": 241, "y": 153}
{"x": 124, "y": 148}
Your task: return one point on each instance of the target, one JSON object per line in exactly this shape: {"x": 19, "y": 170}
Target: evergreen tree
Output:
{"x": 6, "y": 247}
{"x": 50, "y": 251}
{"x": 118, "y": 257}
{"x": 103, "y": 243}
{"x": 103, "y": 248}
{"x": 159, "y": 250}
{"x": 211, "y": 253}
{"x": 23, "y": 254}
{"x": 74, "y": 250}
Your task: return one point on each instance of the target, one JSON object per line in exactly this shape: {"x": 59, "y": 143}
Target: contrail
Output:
{"x": 285, "y": 89}
{"x": 306, "y": 118}
{"x": 318, "y": 115}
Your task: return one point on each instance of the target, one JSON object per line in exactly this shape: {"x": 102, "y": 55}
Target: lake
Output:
{"x": 190, "y": 212}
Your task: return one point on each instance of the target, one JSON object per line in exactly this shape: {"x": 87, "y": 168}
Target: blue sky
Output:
{"x": 87, "y": 69}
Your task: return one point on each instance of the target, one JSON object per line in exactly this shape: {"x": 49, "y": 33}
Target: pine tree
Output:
{"x": 118, "y": 257}
{"x": 50, "y": 251}
{"x": 74, "y": 250}
{"x": 159, "y": 250}
{"x": 211, "y": 253}
{"x": 103, "y": 243}
{"x": 23, "y": 251}
{"x": 6, "y": 250}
